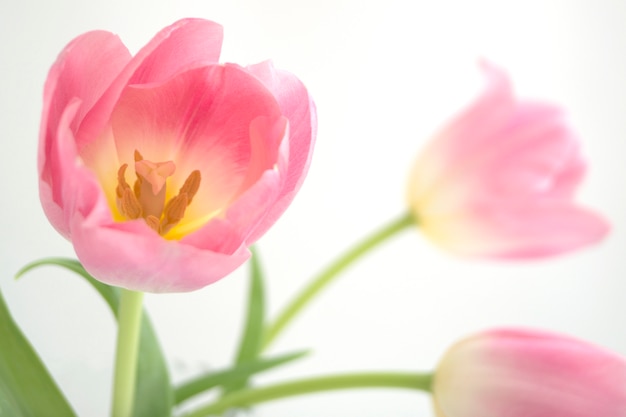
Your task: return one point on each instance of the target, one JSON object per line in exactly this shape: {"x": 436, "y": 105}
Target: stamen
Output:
{"x": 121, "y": 181}
{"x": 191, "y": 185}
{"x": 147, "y": 196}
{"x": 137, "y": 186}
{"x": 127, "y": 203}
{"x": 130, "y": 206}
{"x": 154, "y": 223}
{"x": 174, "y": 212}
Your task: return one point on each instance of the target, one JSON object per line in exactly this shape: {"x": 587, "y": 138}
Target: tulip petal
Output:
{"x": 297, "y": 105}
{"x": 83, "y": 71}
{"x": 509, "y": 231}
{"x": 252, "y": 205}
{"x": 56, "y": 187}
{"x": 521, "y": 373}
{"x": 131, "y": 255}
{"x": 186, "y": 44}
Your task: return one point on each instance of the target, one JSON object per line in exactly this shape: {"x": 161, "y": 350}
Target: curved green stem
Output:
{"x": 248, "y": 397}
{"x": 129, "y": 324}
{"x": 327, "y": 275}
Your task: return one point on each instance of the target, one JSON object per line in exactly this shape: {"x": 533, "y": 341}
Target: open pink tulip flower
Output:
{"x": 499, "y": 180}
{"x": 527, "y": 373}
{"x": 164, "y": 167}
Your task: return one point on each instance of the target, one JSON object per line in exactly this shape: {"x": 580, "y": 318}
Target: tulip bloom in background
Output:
{"x": 522, "y": 373}
{"x": 499, "y": 180}
{"x": 164, "y": 167}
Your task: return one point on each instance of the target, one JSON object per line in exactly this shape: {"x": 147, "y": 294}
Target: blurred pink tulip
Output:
{"x": 499, "y": 180}
{"x": 164, "y": 167}
{"x": 524, "y": 373}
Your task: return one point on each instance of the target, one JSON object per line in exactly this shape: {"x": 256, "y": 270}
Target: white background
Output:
{"x": 385, "y": 75}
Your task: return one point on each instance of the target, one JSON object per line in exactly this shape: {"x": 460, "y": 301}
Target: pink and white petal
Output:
{"x": 83, "y": 70}
{"x": 56, "y": 183}
{"x": 504, "y": 230}
{"x": 531, "y": 156}
{"x": 508, "y": 231}
{"x": 150, "y": 263}
{"x": 549, "y": 165}
{"x": 544, "y": 229}
{"x": 519, "y": 373}
{"x": 186, "y": 44}
{"x": 249, "y": 209}
{"x": 474, "y": 128}
{"x": 266, "y": 137}
{"x": 297, "y": 105}
{"x": 466, "y": 137}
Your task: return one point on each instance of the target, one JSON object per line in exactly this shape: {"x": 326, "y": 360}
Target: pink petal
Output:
{"x": 187, "y": 44}
{"x": 250, "y": 208}
{"x": 472, "y": 132}
{"x": 297, "y": 105}
{"x": 83, "y": 71}
{"x": 257, "y": 199}
{"x": 521, "y": 373}
{"x": 540, "y": 230}
{"x": 131, "y": 255}
{"x": 56, "y": 189}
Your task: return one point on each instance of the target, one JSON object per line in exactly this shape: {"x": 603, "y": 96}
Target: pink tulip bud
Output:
{"x": 163, "y": 167}
{"x": 499, "y": 180}
{"x": 527, "y": 373}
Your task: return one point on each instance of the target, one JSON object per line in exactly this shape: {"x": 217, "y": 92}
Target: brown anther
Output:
{"x": 154, "y": 223}
{"x": 191, "y": 185}
{"x": 129, "y": 205}
{"x": 121, "y": 181}
{"x": 138, "y": 181}
{"x": 137, "y": 186}
{"x": 174, "y": 212}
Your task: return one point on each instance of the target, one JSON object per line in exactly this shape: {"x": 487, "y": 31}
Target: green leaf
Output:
{"x": 26, "y": 387}
{"x": 232, "y": 375}
{"x": 252, "y": 337}
{"x": 153, "y": 392}
{"x": 250, "y": 345}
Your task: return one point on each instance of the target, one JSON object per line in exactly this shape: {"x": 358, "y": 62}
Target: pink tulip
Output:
{"x": 499, "y": 180}
{"x": 164, "y": 167}
{"x": 525, "y": 373}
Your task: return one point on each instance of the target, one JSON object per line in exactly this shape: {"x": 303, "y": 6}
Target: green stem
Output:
{"x": 129, "y": 323}
{"x": 327, "y": 275}
{"x": 248, "y": 397}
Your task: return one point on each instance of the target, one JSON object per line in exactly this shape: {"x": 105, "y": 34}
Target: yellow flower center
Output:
{"x": 147, "y": 197}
